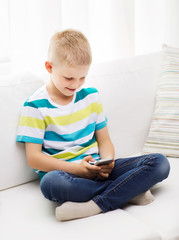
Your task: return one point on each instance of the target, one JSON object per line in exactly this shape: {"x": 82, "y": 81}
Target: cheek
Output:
{"x": 58, "y": 82}
{"x": 82, "y": 82}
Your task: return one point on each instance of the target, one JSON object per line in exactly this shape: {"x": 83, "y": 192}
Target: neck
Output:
{"x": 56, "y": 96}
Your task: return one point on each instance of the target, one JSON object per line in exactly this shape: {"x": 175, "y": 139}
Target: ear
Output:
{"x": 48, "y": 66}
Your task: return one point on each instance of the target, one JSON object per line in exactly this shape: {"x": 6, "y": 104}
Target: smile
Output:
{"x": 71, "y": 90}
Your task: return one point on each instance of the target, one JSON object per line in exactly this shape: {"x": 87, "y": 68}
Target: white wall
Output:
{"x": 108, "y": 24}
{"x": 32, "y": 24}
{"x": 156, "y": 23}
{"x": 171, "y": 35}
{"x": 115, "y": 28}
{"x": 111, "y": 29}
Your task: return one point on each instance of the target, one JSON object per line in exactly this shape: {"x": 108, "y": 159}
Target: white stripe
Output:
{"x": 31, "y": 132}
{"x": 65, "y": 145}
{"x": 32, "y": 112}
{"x": 80, "y": 105}
{"x": 71, "y": 128}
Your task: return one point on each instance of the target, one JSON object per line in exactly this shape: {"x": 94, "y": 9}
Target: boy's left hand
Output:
{"x": 106, "y": 170}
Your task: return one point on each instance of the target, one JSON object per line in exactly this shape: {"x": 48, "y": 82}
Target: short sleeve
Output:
{"x": 101, "y": 120}
{"x": 31, "y": 125}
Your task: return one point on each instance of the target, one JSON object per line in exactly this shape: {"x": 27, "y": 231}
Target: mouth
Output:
{"x": 71, "y": 90}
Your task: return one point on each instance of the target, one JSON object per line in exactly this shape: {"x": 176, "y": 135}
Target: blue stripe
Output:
{"x": 171, "y": 71}
{"x": 83, "y": 93}
{"x": 51, "y": 151}
{"x": 91, "y": 141}
{"x": 40, "y": 173}
{"x": 21, "y": 138}
{"x": 41, "y": 103}
{"x": 169, "y": 99}
{"x": 101, "y": 125}
{"x": 53, "y": 136}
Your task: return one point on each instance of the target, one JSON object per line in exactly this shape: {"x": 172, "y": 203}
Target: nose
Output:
{"x": 75, "y": 84}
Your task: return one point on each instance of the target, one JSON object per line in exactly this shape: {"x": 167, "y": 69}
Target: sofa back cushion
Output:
{"x": 14, "y": 90}
{"x": 128, "y": 89}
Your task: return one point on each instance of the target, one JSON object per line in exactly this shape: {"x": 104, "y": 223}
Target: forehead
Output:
{"x": 74, "y": 71}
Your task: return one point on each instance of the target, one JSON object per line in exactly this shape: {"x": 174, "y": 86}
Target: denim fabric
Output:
{"x": 129, "y": 178}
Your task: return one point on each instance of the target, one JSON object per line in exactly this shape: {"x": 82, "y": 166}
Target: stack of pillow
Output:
{"x": 163, "y": 136}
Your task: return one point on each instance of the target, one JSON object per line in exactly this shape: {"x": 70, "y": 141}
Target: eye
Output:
{"x": 68, "y": 78}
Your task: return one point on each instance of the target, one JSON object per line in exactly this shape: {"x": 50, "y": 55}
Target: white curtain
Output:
{"x": 115, "y": 28}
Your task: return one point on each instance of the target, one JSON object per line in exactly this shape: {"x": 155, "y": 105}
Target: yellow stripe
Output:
{"x": 74, "y": 117}
{"x": 32, "y": 122}
{"x": 70, "y": 155}
{"x": 63, "y": 120}
{"x": 100, "y": 108}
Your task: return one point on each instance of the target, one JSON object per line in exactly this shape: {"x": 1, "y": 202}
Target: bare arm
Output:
{"x": 38, "y": 160}
{"x": 106, "y": 150}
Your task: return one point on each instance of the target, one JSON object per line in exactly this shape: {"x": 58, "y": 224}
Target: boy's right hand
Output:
{"x": 88, "y": 170}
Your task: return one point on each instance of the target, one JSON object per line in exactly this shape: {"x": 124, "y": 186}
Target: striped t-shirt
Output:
{"x": 65, "y": 132}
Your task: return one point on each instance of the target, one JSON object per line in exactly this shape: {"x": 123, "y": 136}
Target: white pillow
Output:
{"x": 14, "y": 90}
{"x": 164, "y": 132}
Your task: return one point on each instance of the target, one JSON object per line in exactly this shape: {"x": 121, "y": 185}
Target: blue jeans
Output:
{"x": 129, "y": 178}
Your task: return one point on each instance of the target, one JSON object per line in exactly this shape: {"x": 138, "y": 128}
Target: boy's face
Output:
{"x": 67, "y": 79}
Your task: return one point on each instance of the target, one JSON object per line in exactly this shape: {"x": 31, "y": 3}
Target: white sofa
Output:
{"x": 128, "y": 89}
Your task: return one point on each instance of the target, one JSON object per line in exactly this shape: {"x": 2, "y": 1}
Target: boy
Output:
{"x": 65, "y": 130}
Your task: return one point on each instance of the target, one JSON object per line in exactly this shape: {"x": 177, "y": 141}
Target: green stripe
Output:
{"x": 84, "y": 93}
{"x": 41, "y": 103}
{"x": 21, "y": 138}
{"x": 53, "y": 136}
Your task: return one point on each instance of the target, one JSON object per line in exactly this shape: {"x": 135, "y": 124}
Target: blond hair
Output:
{"x": 69, "y": 47}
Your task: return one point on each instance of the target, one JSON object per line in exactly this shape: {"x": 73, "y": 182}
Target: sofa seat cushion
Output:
{"x": 163, "y": 213}
{"x": 26, "y": 214}
{"x": 23, "y": 208}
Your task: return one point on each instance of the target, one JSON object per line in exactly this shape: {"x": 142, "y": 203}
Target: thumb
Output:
{"x": 88, "y": 159}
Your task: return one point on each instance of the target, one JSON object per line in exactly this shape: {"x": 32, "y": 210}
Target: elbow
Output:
{"x": 30, "y": 162}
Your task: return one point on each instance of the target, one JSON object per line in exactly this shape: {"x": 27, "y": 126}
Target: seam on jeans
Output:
{"x": 98, "y": 198}
{"x": 127, "y": 164}
{"x": 129, "y": 177}
{"x": 126, "y": 180}
{"x": 102, "y": 205}
{"x": 135, "y": 160}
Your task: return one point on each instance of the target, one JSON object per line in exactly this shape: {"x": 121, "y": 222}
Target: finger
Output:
{"x": 93, "y": 168}
{"x": 104, "y": 175}
{"x": 105, "y": 170}
{"x": 88, "y": 158}
{"x": 103, "y": 167}
{"x": 108, "y": 166}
